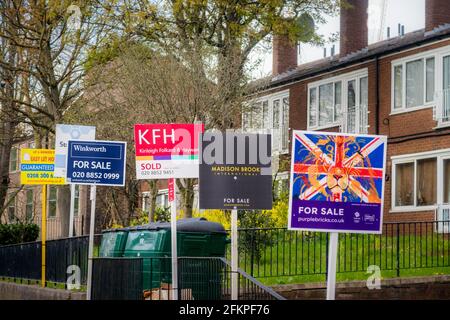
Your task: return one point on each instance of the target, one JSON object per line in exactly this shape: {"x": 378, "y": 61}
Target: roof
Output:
{"x": 392, "y": 45}
{"x": 186, "y": 225}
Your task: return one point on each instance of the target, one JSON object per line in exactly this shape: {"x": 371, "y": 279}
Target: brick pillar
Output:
{"x": 284, "y": 54}
{"x": 437, "y": 12}
{"x": 354, "y": 30}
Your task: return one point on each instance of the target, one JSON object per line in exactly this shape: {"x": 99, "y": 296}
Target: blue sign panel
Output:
{"x": 96, "y": 162}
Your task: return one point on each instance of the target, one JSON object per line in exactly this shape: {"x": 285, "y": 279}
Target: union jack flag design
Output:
{"x": 337, "y": 167}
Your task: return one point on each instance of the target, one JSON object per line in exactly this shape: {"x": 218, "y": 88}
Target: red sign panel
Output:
{"x": 167, "y": 150}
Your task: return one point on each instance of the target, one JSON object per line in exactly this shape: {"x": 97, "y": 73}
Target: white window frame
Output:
{"x": 440, "y": 156}
{"x": 438, "y": 55}
{"x": 270, "y": 99}
{"x": 344, "y": 79}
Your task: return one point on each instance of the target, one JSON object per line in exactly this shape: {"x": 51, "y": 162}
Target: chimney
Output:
{"x": 284, "y": 54}
{"x": 437, "y": 12}
{"x": 354, "y": 30}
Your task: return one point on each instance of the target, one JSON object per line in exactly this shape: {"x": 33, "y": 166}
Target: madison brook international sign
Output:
{"x": 337, "y": 182}
{"x": 235, "y": 171}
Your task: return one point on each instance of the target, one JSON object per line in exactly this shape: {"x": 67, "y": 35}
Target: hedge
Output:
{"x": 18, "y": 233}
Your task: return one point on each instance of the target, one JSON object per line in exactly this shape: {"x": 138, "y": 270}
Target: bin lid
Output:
{"x": 186, "y": 225}
{"x": 115, "y": 230}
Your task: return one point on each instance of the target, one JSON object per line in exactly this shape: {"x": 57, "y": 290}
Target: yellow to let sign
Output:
{"x": 37, "y": 167}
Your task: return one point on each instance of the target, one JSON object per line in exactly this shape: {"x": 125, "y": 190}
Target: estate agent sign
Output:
{"x": 337, "y": 182}
{"x": 235, "y": 171}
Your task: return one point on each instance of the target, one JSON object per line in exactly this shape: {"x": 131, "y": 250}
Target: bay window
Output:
{"x": 270, "y": 113}
{"x": 339, "y": 101}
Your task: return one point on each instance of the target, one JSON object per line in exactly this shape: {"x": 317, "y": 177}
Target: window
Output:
{"x": 29, "y": 206}
{"x": 162, "y": 199}
{"x": 270, "y": 112}
{"x": 421, "y": 181}
{"x": 446, "y": 178}
{"x": 398, "y": 86}
{"x": 413, "y": 83}
{"x": 76, "y": 201}
{"x": 404, "y": 185}
{"x": 12, "y": 209}
{"x": 13, "y": 160}
{"x": 426, "y": 182}
{"x": 52, "y": 202}
{"x": 429, "y": 96}
{"x": 339, "y": 101}
{"x": 326, "y": 104}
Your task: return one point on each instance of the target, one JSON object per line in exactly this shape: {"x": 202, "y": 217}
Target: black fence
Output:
{"x": 263, "y": 253}
{"x": 199, "y": 278}
{"x": 117, "y": 279}
{"x": 277, "y": 252}
{"x": 21, "y": 261}
{"x": 63, "y": 256}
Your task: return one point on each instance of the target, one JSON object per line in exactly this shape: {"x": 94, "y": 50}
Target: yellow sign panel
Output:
{"x": 37, "y": 167}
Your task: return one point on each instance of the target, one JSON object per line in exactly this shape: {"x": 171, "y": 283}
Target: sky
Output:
{"x": 410, "y": 13}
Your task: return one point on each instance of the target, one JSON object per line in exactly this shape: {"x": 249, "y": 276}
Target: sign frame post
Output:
{"x": 234, "y": 256}
{"x": 173, "y": 234}
{"x": 43, "y": 235}
{"x": 93, "y": 198}
{"x": 349, "y": 195}
{"x": 72, "y": 209}
{"x": 332, "y": 262}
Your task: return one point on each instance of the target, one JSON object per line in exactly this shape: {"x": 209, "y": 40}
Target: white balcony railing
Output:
{"x": 443, "y": 218}
{"x": 442, "y": 109}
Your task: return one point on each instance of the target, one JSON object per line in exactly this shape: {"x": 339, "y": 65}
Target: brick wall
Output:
{"x": 353, "y": 29}
{"x": 414, "y": 288}
{"x": 437, "y": 12}
{"x": 284, "y": 54}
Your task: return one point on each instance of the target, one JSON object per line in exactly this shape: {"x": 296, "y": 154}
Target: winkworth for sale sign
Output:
{"x": 96, "y": 162}
{"x": 337, "y": 182}
{"x": 166, "y": 151}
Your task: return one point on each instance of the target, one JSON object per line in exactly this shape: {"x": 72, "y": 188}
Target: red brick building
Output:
{"x": 399, "y": 87}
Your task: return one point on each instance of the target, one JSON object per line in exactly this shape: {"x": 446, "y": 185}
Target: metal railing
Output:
{"x": 442, "y": 109}
{"x": 277, "y": 252}
{"x": 117, "y": 279}
{"x": 199, "y": 278}
{"x": 23, "y": 261}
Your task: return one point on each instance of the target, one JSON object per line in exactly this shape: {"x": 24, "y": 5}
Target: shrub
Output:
{"x": 18, "y": 233}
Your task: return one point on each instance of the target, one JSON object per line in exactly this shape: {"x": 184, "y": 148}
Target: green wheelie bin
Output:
{"x": 197, "y": 238}
{"x": 113, "y": 242}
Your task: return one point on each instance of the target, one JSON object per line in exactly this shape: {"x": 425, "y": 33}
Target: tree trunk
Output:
{"x": 153, "y": 186}
{"x": 186, "y": 187}
{"x": 8, "y": 113}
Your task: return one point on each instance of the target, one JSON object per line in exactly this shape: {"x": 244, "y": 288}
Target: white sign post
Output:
{"x": 234, "y": 256}
{"x": 64, "y": 133}
{"x": 91, "y": 242}
{"x": 348, "y": 197}
{"x": 332, "y": 261}
{"x": 173, "y": 232}
{"x": 72, "y": 209}
{"x": 95, "y": 163}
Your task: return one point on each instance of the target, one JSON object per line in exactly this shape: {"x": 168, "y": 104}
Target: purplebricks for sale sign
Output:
{"x": 337, "y": 182}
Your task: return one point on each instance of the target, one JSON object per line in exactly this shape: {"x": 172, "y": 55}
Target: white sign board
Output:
{"x": 64, "y": 133}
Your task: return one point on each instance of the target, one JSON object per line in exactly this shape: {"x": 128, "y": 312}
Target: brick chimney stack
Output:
{"x": 354, "y": 30}
{"x": 284, "y": 54}
{"x": 437, "y": 12}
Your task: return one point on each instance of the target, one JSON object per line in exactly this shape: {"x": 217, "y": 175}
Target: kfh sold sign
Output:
{"x": 337, "y": 182}
{"x": 167, "y": 150}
